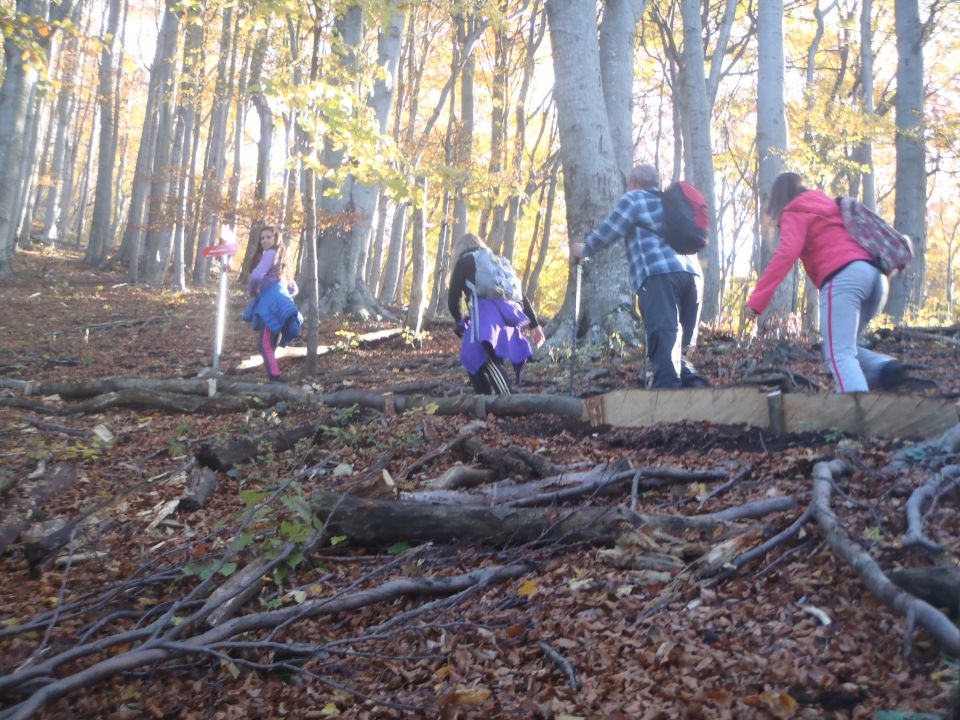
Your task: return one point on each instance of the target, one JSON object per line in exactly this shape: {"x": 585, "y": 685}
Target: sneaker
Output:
{"x": 892, "y": 374}
{"x": 695, "y": 381}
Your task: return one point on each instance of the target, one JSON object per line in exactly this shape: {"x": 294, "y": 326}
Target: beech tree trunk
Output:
{"x": 699, "y": 165}
{"x": 159, "y": 218}
{"x": 15, "y": 97}
{"x": 771, "y": 137}
{"x": 906, "y": 288}
{"x": 592, "y": 180}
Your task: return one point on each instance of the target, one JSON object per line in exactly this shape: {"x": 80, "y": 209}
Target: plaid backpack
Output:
{"x": 892, "y": 251}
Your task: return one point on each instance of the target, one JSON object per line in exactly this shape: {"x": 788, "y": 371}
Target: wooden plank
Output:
{"x": 642, "y": 408}
{"x": 870, "y": 414}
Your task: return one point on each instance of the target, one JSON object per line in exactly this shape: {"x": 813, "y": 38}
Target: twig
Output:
{"x": 561, "y": 662}
{"x": 762, "y": 549}
{"x": 727, "y": 485}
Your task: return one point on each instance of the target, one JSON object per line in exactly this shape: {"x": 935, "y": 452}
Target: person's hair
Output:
{"x": 784, "y": 189}
{"x": 644, "y": 176}
{"x": 466, "y": 243}
{"x": 278, "y": 247}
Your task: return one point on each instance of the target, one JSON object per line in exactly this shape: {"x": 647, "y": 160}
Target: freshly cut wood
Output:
{"x": 200, "y": 485}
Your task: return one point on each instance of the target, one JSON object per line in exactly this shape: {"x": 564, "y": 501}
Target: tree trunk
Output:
{"x": 15, "y": 94}
{"x": 215, "y": 165}
{"x": 911, "y": 177}
{"x": 864, "y": 153}
{"x": 159, "y": 219}
{"x": 771, "y": 136}
{"x": 132, "y": 242}
{"x": 699, "y": 163}
{"x": 394, "y": 267}
{"x": 100, "y": 223}
{"x": 591, "y": 178}
{"x": 311, "y": 273}
{"x": 418, "y": 249}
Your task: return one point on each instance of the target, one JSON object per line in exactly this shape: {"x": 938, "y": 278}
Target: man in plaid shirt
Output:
{"x": 668, "y": 285}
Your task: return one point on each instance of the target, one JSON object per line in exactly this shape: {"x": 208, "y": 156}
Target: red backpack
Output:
{"x": 685, "y": 218}
{"x": 892, "y": 251}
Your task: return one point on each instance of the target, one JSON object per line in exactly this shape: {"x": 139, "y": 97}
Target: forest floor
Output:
{"x": 583, "y": 632}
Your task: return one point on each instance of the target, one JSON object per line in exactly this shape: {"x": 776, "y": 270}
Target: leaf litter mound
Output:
{"x": 614, "y": 629}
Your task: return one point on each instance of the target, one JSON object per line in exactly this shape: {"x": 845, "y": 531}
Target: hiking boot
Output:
{"x": 695, "y": 381}
{"x": 892, "y": 374}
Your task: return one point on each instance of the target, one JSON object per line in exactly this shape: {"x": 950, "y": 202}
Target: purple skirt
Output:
{"x": 499, "y": 324}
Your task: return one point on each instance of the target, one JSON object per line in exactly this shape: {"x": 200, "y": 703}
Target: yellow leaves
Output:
{"x": 528, "y": 588}
{"x": 330, "y": 709}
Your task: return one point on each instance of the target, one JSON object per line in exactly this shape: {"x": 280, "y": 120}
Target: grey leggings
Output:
{"x": 848, "y": 302}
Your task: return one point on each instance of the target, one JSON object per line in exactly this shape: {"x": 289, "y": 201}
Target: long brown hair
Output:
{"x": 784, "y": 189}
{"x": 278, "y": 247}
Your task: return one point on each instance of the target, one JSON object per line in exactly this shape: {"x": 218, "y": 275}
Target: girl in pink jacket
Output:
{"x": 852, "y": 289}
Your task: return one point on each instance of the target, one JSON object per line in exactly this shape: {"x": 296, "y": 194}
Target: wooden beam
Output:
{"x": 870, "y": 414}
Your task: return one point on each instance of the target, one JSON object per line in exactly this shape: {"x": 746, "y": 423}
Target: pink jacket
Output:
{"x": 811, "y": 229}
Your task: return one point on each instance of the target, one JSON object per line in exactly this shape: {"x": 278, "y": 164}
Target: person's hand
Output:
{"x": 536, "y": 334}
{"x": 577, "y": 250}
{"x": 459, "y": 328}
{"x": 749, "y": 313}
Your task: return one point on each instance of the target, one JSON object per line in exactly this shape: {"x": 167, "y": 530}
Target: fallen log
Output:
{"x": 602, "y": 481}
{"x": 936, "y": 623}
{"x": 245, "y": 449}
{"x": 136, "y": 398}
{"x": 939, "y": 586}
{"x": 504, "y": 492}
{"x": 201, "y": 483}
{"x": 367, "y": 522}
{"x": 34, "y": 493}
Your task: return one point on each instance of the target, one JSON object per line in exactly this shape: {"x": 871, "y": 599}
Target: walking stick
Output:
{"x": 576, "y": 324}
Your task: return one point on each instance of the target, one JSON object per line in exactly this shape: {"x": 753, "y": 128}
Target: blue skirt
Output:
{"x": 497, "y": 325}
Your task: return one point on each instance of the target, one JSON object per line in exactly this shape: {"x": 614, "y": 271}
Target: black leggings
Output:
{"x": 491, "y": 378}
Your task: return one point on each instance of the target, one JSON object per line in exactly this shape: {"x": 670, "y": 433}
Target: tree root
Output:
{"x": 943, "y": 631}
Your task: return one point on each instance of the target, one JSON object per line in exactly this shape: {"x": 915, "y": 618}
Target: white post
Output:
{"x": 221, "y": 312}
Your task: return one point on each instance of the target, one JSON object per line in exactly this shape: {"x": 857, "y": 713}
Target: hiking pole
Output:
{"x": 576, "y": 324}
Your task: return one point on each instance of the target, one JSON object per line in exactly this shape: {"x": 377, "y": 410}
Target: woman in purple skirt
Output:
{"x": 493, "y": 331}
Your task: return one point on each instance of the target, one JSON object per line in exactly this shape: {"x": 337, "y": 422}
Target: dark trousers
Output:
{"x": 491, "y": 379}
{"x": 670, "y": 307}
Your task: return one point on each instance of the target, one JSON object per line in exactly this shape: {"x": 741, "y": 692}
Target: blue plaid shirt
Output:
{"x": 647, "y": 252}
